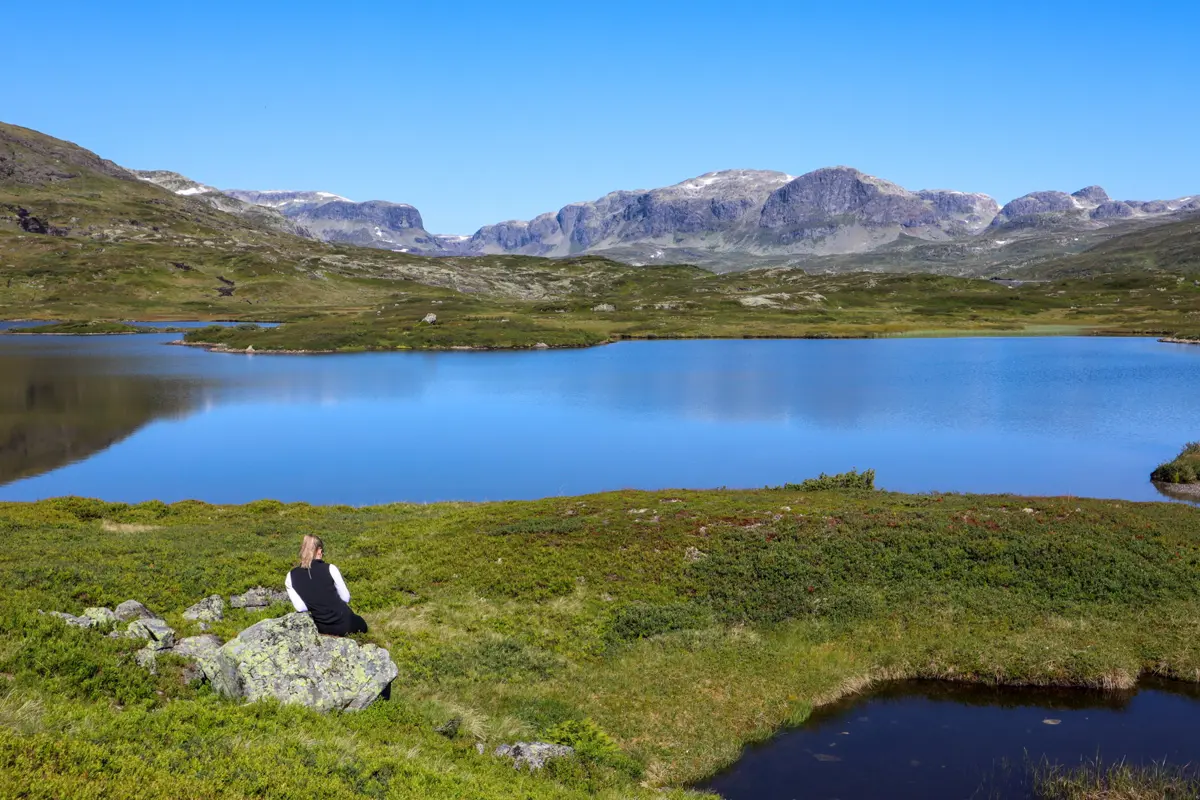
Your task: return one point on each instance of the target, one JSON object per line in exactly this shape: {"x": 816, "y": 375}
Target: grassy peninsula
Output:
{"x": 662, "y": 630}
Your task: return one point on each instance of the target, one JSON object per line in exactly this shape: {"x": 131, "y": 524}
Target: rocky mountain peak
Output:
{"x": 1091, "y": 195}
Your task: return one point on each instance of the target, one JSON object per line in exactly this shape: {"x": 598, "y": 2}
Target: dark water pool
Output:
{"x": 922, "y": 740}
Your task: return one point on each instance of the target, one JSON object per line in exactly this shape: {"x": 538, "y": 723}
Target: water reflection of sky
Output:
{"x": 926, "y": 740}
{"x": 1088, "y": 416}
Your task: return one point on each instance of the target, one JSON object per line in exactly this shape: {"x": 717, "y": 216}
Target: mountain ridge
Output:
{"x": 739, "y": 218}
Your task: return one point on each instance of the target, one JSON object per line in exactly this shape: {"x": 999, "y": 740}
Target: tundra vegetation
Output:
{"x": 657, "y": 632}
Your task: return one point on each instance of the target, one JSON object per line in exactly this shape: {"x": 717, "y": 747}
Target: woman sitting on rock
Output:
{"x": 318, "y": 588}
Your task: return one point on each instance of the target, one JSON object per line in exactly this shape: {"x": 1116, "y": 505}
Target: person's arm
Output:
{"x": 296, "y": 601}
{"x": 339, "y": 584}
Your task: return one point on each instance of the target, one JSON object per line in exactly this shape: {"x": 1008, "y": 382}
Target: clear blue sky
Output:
{"x": 477, "y": 112}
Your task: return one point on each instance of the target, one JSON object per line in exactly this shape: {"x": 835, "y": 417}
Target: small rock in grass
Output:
{"x": 132, "y": 609}
{"x": 210, "y": 609}
{"x": 203, "y": 651}
{"x": 146, "y": 659}
{"x": 101, "y": 617}
{"x": 532, "y": 755}
{"x": 694, "y": 554}
{"x": 603, "y": 307}
{"x": 429, "y": 319}
{"x": 258, "y": 598}
{"x": 160, "y": 635}
{"x": 72, "y": 620}
{"x": 450, "y": 727}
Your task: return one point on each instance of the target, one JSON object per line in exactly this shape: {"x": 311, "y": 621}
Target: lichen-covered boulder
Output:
{"x": 202, "y": 651}
{"x": 158, "y": 634}
{"x": 259, "y": 597}
{"x": 101, "y": 617}
{"x": 286, "y": 659}
{"x": 132, "y": 609}
{"x": 532, "y": 755}
{"x": 210, "y": 609}
{"x": 72, "y": 620}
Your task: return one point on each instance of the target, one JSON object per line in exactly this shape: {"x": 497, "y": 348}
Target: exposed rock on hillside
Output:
{"x": 532, "y": 755}
{"x": 286, "y": 659}
{"x": 186, "y": 187}
{"x": 375, "y": 223}
{"x": 210, "y": 609}
{"x": 1090, "y": 207}
{"x": 258, "y": 598}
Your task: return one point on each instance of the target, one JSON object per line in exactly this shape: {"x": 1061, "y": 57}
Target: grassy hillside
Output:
{"x": 678, "y": 624}
{"x": 1173, "y": 248}
{"x": 119, "y": 248}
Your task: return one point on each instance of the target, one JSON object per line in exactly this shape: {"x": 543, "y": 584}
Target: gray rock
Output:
{"x": 186, "y": 187}
{"x": 210, "y": 609}
{"x": 604, "y": 307}
{"x": 146, "y": 658}
{"x": 1113, "y": 209}
{"x": 101, "y": 617}
{"x": 160, "y": 635}
{"x": 286, "y": 659}
{"x": 326, "y": 216}
{"x": 532, "y": 755}
{"x": 132, "y": 609}
{"x": 1091, "y": 195}
{"x": 258, "y": 598}
{"x": 74, "y": 621}
{"x": 203, "y": 652}
{"x": 429, "y": 319}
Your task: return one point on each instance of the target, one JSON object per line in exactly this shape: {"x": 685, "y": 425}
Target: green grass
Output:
{"x": 1099, "y": 781}
{"x": 88, "y": 328}
{"x": 662, "y": 641}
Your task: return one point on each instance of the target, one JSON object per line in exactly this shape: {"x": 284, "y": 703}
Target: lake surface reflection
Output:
{"x": 126, "y": 418}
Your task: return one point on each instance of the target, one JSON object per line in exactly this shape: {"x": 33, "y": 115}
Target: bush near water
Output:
{"x": 1184, "y": 468}
{"x": 655, "y": 632}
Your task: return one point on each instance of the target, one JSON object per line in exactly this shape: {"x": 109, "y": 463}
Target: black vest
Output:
{"x": 316, "y": 588}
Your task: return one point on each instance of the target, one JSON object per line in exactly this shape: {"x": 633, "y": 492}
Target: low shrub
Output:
{"x": 643, "y": 620}
{"x": 843, "y": 480}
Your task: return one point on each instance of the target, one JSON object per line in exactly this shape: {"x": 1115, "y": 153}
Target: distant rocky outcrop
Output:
{"x": 1090, "y": 207}
{"x": 374, "y": 223}
{"x": 186, "y": 187}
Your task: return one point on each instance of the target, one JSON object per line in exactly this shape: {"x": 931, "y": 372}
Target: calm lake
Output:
{"x": 915, "y": 741}
{"x": 126, "y": 418}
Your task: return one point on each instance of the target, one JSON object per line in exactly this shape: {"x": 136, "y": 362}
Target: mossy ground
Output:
{"x": 676, "y": 626}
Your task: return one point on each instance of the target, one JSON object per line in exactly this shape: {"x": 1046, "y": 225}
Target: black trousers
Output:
{"x": 352, "y": 623}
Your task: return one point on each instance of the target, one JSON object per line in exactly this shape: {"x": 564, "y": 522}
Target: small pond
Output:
{"x": 916, "y": 740}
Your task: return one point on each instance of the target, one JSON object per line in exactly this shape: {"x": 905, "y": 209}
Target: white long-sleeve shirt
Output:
{"x": 338, "y": 584}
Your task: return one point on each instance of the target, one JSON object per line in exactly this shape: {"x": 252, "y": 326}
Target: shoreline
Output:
{"x": 1083, "y": 333}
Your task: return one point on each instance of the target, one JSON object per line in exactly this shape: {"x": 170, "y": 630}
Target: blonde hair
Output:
{"x": 309, "y": 548}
